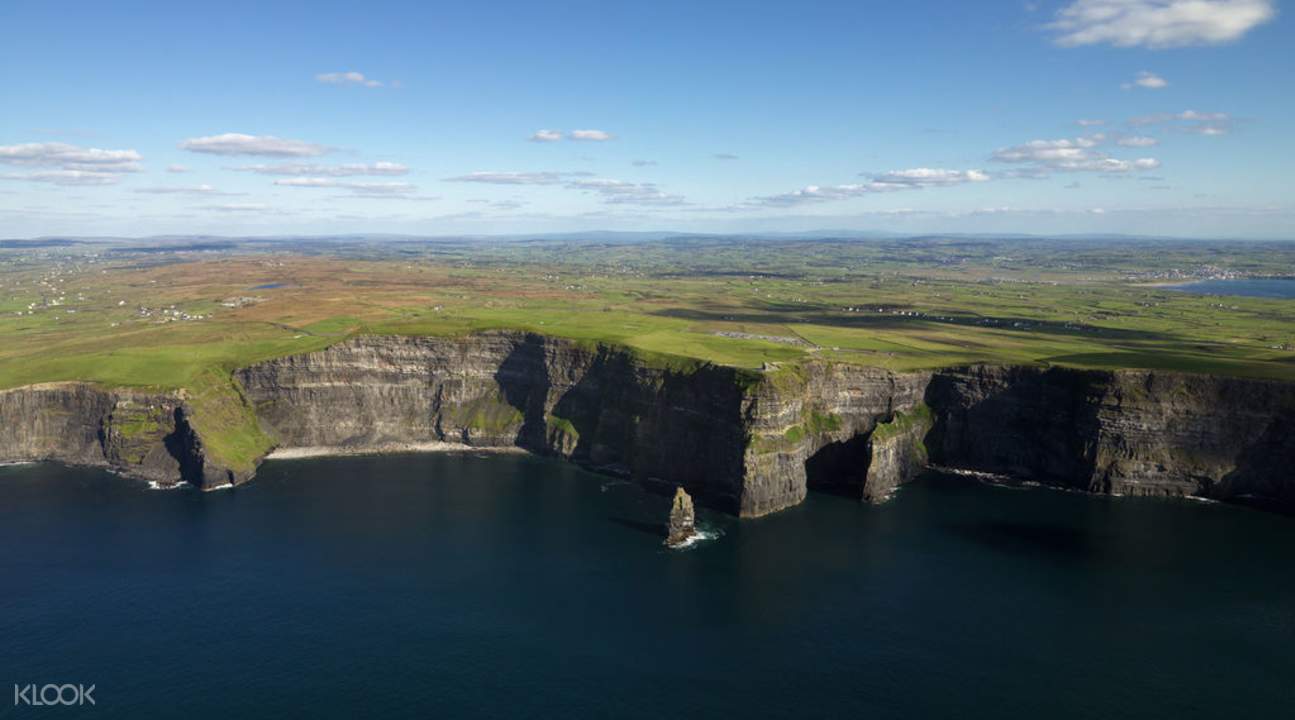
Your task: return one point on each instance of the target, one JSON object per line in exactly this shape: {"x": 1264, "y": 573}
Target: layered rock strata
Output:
{"x": 1127, "y": 432}
{"x": 749, "y": 443}
{"x": 138, "y": 433}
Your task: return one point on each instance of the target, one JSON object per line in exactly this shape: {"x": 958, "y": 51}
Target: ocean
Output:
{"x": 462, "y": 585}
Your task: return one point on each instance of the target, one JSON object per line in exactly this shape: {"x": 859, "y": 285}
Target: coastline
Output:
{"x": 435, "y": 446}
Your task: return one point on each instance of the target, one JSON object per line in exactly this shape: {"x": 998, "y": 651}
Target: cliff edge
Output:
{"x": 745, "y": 442}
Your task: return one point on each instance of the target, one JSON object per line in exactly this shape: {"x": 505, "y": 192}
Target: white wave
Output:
{"x": 155, "y": 485}
{"x": 699, "y": 535}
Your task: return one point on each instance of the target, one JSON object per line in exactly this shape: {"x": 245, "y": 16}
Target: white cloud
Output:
{"x": 347, "y": 78}
{"x": 619, "y": 192}
{"x": 1158, "y": 23}
{"x": 643, "y": 163}
{"x": 725, "y": 156}
{"x": 590, "y": 135}
{"x": 177, "y": 169}
{"x": 1201, "y": 123}
{"x": 1148, "y": 80}
{"x": 1086, "y": 122}
{"x": 365, "y": 188}
{"x": 1040, "y": 157}
{"x": 377, "y": 168}
{"x": 1137, "y": 141}
{"x": 812, "y": 194}
{"x": 499, "y": 204}
{"x": 70, "y": 157}
{"x": 548, "y": 136}
{"x": 1208, "y": 129}
{"x": 614, "y": 192}
{"x": 66, "y": 177}
{"x": 238, "y": 207}
{"x": 203, "y": 189}
{"x": 359, "y": 190}
{"x": 240, "y": 144}
{"x": 70, "y": 164}
{"x": 893, "y": 181}
{"x": 927, "y": 177}
{"x": 517, "y": 178}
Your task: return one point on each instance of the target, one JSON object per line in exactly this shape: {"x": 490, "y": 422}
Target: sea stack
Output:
{"x": 682, "y": 519}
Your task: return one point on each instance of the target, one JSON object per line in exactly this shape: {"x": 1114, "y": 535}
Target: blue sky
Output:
{"x": 417, "y": 117}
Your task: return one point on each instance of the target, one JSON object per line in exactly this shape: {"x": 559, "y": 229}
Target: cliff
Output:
{"x": 749, "y": 443}
{"x": 738, "y": 443}
{"x": 1127, "y": 432}
{"x": 810, "y": 426}
{"x": 600, "y": 406}
{"x": 896, "y": 452}
{"x": 136, "y": 433}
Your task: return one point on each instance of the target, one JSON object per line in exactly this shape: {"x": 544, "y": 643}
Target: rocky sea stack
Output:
{"x": 683, "y": 520}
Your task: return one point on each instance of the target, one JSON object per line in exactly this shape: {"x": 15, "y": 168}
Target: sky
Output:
{"x": 1161, "y": 117}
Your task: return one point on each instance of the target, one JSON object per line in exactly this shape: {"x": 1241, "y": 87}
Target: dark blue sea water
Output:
{"x": 510, "y": 586}
{"x": 1249, "y": 287}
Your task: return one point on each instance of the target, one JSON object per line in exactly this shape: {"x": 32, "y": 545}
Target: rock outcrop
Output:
{"x": 683, "y": 520}
{"x": 748, "y": 443}
{"x": 896, "y": 452}
{"x": 810, "y": 426}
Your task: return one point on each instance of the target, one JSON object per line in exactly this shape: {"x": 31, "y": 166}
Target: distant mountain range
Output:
{"x": 221, "y": 242}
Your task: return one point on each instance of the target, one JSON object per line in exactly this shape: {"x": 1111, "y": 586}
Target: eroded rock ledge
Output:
{"x": 743, "y": 442}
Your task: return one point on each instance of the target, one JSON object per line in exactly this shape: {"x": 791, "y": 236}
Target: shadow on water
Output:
{"x": 653, "y": 529}
{"x": 1062, "y": 543}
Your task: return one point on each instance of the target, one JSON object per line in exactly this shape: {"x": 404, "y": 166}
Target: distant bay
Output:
{"x": 1246, "y": 287}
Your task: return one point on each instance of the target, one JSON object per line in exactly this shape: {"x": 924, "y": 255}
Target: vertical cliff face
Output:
{"x": 739, "y": 446}
{"x": 811, "y": 426}
{"x": 1128, "y": 432}
{"x": 596, "y": 405}
{"x": 896, "y": 452}
{"x": 136, "y": 433}
{"x": 747, "y": 443}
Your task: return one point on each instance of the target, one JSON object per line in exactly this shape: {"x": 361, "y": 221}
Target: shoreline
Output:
{"x": 434, "y": 446}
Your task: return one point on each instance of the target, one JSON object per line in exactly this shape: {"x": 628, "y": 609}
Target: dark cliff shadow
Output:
{"x": 1261, "y": 478}
{"x": 653, "y": 529}
{"x": 523, "y": 380}
{"x": 1023, "y": 422}
{"x": 182, "y": 444}
{"x": 657, "y": 426}
{"x": 840, "y": 468}
{"x": 578, "y": 414}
